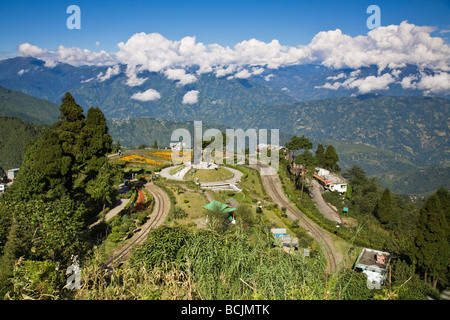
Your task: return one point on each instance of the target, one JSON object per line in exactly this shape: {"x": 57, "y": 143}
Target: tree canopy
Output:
{"x": 64, "y": 179}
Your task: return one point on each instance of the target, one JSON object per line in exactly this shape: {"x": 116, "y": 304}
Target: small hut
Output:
{"x": 221, "y": 208}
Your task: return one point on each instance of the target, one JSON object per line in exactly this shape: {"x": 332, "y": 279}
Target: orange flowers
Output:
{"x": 140, "y": 203}
{"x": 140, "y": 159}
{"x": 167, "y": 155}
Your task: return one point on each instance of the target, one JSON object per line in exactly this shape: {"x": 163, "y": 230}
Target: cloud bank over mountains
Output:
{"x": 392, "y": 47}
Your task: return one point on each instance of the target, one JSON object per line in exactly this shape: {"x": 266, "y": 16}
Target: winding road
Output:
{"x": 324, "y": 238}
{"x": 159, "y": 214}
{"x": 274, "y": 189}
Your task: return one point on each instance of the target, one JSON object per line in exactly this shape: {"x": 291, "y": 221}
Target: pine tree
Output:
{"x": 100, "y": 140}
{"x": 69, "y": 129}
{"x": 331, "y": 159}
{"x": 384, "y": 209}
{"x": 320, "y": 155}
{"x": 432, "y": 250}
{"x": 444, "y": 198}
{"x": 70, "y": 110}
{"x": 50, "y": 196}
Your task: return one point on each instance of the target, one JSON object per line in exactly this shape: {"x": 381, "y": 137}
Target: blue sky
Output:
{"x": 43, "y": 23}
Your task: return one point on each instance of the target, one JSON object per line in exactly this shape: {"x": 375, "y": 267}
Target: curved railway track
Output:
{"x": 275, "y": 191}
{"x": 159, "y": 213}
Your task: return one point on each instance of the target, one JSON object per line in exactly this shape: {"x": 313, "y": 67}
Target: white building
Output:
{"x": 340, "y": 187}
{"x": 12, "y": 173}
{"x": 330, "y": 180}
{"x": 374, "y": 264}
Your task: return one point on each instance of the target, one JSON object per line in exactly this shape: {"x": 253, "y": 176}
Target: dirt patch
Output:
{"x": 200, "y": 222}
{"x": 349, "y": 222}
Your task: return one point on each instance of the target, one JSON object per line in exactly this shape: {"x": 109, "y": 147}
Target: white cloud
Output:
{"x": 243, "y": 74}
{"x": 372, "y": 83}
{"x": 392, "y": 46}
{"x": 110, "y": 72}
{"x": 355, "y": 73}
{"x": 31, "y": 50}
{"x": 435, "y": 83}
{"x": 407, "y": 82}
{"x": 364, "y": 85}
{"x": 148, "y": 95}
{"x": 73, "y": 56}
{"x": 268, "y": 77}
{"x": 191, "y": 97}
{"x": 220, "y": 72}
{"x": 22, "y": 71}
{"x": 257, "y": 71}
{"x": 396, "y": 73}
{"x": 339, "y": 76}
{"x": 180, "y": 75}
{"x": 133, "y": 79}
{"x": 87, "y": 80}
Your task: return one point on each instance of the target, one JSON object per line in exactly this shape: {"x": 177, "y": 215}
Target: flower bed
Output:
{"x": 134, "y": 158}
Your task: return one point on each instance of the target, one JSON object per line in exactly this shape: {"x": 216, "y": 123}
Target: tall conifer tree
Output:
{"x": 431, "y": 244}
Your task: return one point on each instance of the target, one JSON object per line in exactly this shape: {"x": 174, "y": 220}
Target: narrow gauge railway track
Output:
{"x": 275, "y": 191}
{"x": 159, "y": 213}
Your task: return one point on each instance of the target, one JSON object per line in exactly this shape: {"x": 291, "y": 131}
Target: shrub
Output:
{"x": 177, "y": 213}
{"x": 164, "y": 245}
{"x": 142, "y": 218}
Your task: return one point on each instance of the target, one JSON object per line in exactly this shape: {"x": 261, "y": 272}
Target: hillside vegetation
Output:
{"x": 15, "y": 136}
{"x": 26, "y": 107}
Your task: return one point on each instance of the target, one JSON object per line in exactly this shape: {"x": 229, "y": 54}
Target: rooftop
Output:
{"x": 329, "y": 177}
{"x": 370, "y": 257}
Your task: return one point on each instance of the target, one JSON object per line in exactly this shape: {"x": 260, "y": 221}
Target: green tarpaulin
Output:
{"x": 217, "y": 206}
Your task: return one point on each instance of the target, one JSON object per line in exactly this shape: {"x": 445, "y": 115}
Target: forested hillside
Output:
{"x": 64, "y": 180}
{"x": 15, "y": 136}
{"x": 28, "y": 108}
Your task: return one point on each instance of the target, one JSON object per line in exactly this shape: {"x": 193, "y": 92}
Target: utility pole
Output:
{"x": 303, "y": 179}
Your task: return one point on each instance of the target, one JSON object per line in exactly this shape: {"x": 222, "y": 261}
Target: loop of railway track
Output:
{"x": 275, "y": 191}
{"x": 159, "y": 213}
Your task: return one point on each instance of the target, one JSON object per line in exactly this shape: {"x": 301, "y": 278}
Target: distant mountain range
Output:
{"x": 384, "y": 131}
{"x": 107, "y": 87}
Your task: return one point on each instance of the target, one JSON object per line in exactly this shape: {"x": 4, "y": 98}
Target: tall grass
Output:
{"x": 218, "y": 266}
{"x": 230, "y": 268}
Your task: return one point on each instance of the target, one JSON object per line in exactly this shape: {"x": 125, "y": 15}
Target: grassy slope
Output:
{"x": 26, "y": 107}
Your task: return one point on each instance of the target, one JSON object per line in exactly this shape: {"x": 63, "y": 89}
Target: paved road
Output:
{"x": 324, "y": 208}
{"x": 120, "y": 204}
{"x": 177, "y": 176}
{"x": 237, "y": 175}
